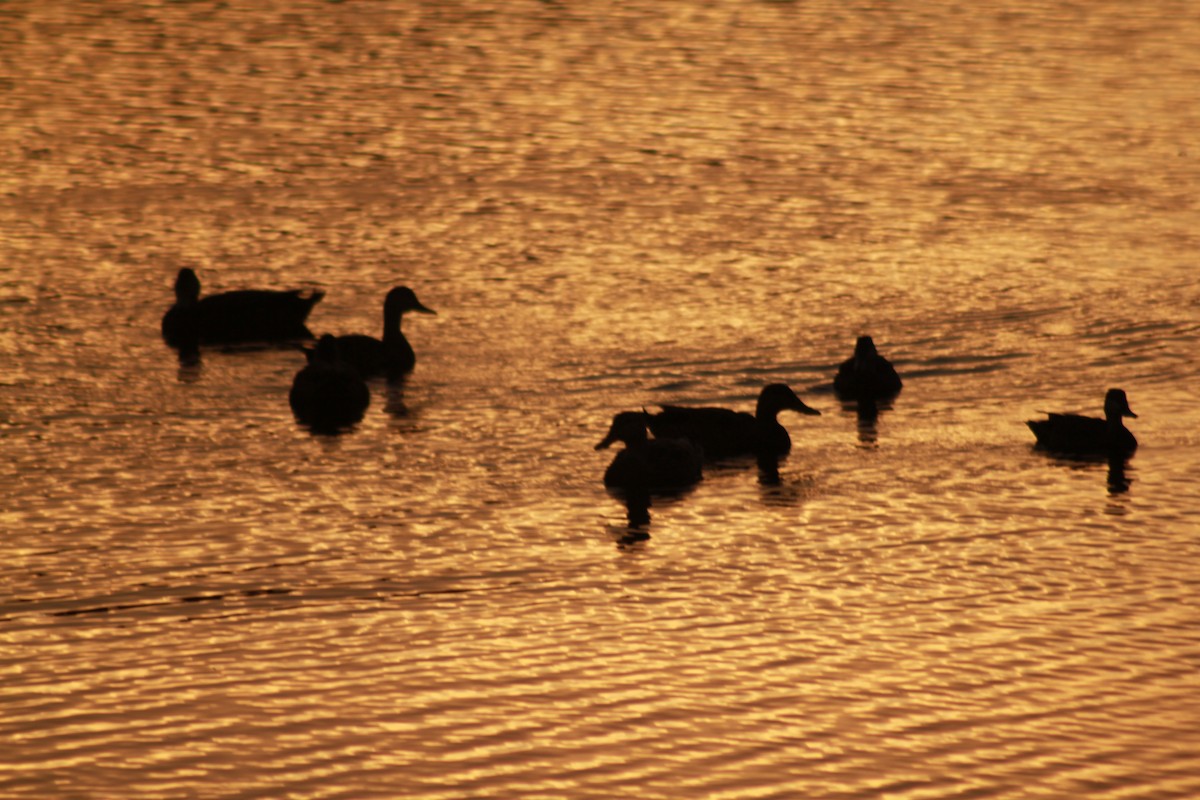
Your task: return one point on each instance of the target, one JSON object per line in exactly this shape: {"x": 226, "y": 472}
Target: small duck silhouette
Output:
{"x": 649, "y": 464}
{"x": 722, "y": 432}
{"x": 866, "y": 375}
{"x": 392, "y": 356}
{"x": 328, "y": 394}
{"x": 247, "y": 315}
{"x": 1080, "y": 435}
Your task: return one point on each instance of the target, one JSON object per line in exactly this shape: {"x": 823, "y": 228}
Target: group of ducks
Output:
{"x": 330, "y": 392}
{"x": 684, "y": 438}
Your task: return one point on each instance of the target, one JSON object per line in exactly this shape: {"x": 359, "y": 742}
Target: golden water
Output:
{"x": 610, "y": 207}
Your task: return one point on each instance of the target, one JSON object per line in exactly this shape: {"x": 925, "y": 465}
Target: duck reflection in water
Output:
{"x": 394, "y": 405}
{"x": 637, "y": 514}
{"x": 247, "y": 315}
{"x": 1075, "y": 438}
{"x": 328, "y": 395}
{"x": 866, "y": 411}
{"x": 190, "y": 368}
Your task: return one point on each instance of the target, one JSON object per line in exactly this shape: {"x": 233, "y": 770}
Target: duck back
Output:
{"x": 721, "y": 432}
{"x": 866, "y": 375}
{"x": 392, "y": 357}
{"x": 1074, "y": 433}
{"x": 328, "y": 394}
{"x": 655, "y": 465}
{"x": 251, "y": 315}
{"x": 247, "y": 315}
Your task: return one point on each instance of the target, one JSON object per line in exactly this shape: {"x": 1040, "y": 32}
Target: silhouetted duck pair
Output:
{"x": 330, "y": 391}
{"x": 685, "y": 436}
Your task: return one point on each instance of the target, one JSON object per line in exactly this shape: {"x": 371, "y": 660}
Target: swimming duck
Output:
{"x": 649, "y": 464}
{"x": 248, "y": 315}
{"x": 1073, "y": 433}
{"x": 722, "y": 432}
{"x": 392, "y": 355}
{"x": 866, "y": 375}
{"x": 328, "y": 394}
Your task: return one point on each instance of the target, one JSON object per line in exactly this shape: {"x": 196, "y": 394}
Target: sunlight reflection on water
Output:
{"x": 653, "y": 205}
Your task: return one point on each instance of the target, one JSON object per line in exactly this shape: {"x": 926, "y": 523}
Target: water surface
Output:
{"x": 609, "y": 209}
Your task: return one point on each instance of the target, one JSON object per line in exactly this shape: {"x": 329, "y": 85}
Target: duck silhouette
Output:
{"x": 328, "y": 394}
{"x": 646, "y": 464}
{"x": 722, "y": 432}
{"x": 392, "y": 355}
{"x": 866, "y": 375}
{"x": 1079, "y": 435}
{"x": 246, "y": 315}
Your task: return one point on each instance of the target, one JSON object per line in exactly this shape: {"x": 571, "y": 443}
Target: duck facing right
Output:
{"x": 723, "y": 432}
{"x": 1079, "y": 435}
{"x": 392, "y": 355}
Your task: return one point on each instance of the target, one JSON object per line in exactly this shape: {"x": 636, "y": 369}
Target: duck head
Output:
{"x": 187, "y": 286}
{"x": 1116, "y": 405}
{"x": 865, "y": 348}
{"x": 402, "y": 299}
{"x": 628, "y": 427}
{"x": 325, "y": 351}
{"x": 776, "y": 397}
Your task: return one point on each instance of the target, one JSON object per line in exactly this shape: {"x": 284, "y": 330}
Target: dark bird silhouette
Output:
{"x": 721, "y": 432}
{"x": 247, "y": 315}
{"x": 1080, "y": 435}
{"x": 866, "y": 375}
{"x": 646, "y": 464}
{"x": 328, "y": 394}
{"x": 392, "y": 355}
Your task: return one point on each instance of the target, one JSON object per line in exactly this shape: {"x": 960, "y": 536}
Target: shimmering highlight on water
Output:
{"x": 610, "y": 209}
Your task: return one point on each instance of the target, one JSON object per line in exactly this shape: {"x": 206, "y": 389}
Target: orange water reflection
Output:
{"x": 653, "y": 204}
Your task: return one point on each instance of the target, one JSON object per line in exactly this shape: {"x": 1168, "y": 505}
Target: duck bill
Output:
{"x": 800, "y": 407}
{"x": 605, "y": 442}
{"x": 424, "y": 309}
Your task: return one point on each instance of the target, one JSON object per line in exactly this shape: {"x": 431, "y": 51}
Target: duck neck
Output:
{"x": 636, "y": 437}
{"x": 765, "y": 412}
{"x": 391, "y": 326}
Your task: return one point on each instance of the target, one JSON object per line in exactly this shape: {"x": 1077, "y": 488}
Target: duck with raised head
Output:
{"x": 246, "y": 315}
{"x": 866, "y": 375}
{"x": 1080, "y": 435}
{"x": 328, "y": 394}
{"x": 647, "y": 464}
{"x": 392, "y": 355}
{"x": 722, "y": 432}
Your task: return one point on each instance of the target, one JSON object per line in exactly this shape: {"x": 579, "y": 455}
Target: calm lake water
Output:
{"x": 610, "y": 206}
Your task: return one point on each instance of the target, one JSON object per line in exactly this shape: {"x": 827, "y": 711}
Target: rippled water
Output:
{"x": 610, "y": 208}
